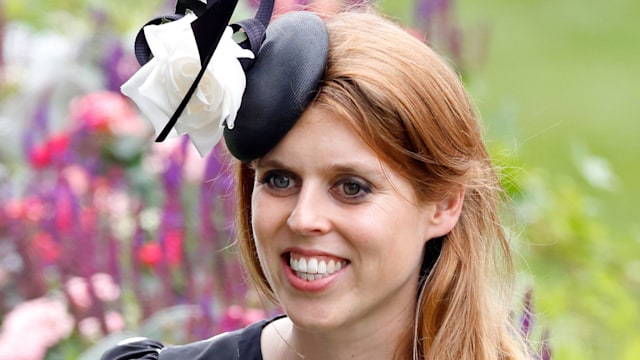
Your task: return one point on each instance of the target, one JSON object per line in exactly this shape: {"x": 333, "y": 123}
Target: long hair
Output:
{"x": 411, "y": 108}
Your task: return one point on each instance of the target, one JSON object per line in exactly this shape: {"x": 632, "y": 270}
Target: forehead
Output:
{"x": 320, "y": 136}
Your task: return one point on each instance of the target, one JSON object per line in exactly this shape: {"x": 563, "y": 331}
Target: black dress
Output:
{"x": 243, "y": 344}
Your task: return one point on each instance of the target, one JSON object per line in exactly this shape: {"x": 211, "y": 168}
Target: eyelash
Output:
{"x": 270, "y": 176}
{"x": 337, "y": 189}
{"x": 363, "y": 188}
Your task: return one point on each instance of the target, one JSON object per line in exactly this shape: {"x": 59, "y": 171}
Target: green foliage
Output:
{"x": 62, "y": 15}
{"x": 401, "y": 9}
{"x": 563, "y": 79}
{"x": 558, "y": 87}
{"x": 581, "y": 269}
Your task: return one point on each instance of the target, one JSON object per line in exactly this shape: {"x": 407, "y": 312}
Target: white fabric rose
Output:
{"x": 160, "y": 85}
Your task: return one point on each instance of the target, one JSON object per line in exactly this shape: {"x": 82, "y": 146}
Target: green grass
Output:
{"x": 559, "y": 82}
{"x": 567, "y": 72}
{"x": 560, "y": 75}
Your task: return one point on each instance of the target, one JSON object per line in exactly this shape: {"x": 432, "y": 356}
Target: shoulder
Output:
{"x": 243, "y": 344}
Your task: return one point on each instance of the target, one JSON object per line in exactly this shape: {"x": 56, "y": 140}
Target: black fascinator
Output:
{"x": 282, "y": 76}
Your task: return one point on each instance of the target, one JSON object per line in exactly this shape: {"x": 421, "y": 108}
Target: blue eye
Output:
{"x": 279, "y": 181}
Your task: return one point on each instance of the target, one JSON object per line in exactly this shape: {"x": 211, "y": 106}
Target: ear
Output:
{"x": 444, "y": 215}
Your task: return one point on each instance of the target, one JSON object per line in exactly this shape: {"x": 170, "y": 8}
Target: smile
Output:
{"x": 312, "y": 268}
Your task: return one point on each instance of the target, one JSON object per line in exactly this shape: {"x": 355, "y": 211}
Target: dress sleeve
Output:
{"x": 134, "y": 349}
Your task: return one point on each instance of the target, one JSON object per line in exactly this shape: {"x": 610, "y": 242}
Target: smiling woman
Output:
{"x": 368, "y": 205}
{"x": 385, "y": 173}
{"x": 323, "y": 198}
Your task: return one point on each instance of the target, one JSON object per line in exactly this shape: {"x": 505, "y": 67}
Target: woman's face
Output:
{"x": 338, "y": 233}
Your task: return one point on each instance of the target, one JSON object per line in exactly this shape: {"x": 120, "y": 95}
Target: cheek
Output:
{"x": 266, "y": 221}
{"x": 390, "y": 236}
{"x": 260, "y": 228}
{"x": 260, "y": 217}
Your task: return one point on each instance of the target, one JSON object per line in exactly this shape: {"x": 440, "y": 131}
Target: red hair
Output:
{"x": 411, "y": 108}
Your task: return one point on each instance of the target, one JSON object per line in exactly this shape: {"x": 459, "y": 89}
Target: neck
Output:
{"x": 359, "y": 341}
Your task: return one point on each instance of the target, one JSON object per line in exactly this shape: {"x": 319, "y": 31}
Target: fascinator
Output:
{"x": 250, "y": 80}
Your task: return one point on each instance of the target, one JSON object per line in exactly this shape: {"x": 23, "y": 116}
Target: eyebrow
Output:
{"x": 271, "y": 163}
{"x": 348, "y": 167}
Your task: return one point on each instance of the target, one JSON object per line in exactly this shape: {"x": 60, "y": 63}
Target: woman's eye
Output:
{"x": 351, "y": 189}
{"x": 279, "y": 181}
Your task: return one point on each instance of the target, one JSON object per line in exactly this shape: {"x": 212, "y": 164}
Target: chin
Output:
{"x": 312, "y": 318}
{"x": 313, "y": 324}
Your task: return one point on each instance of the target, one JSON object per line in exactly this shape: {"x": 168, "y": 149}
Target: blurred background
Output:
{"x": 105, "y": 234}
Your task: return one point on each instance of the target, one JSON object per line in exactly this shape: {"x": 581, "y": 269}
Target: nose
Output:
{"x": 310, "y": 214}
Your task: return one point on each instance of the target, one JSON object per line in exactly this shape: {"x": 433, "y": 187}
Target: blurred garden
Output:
{"x": 106, "y": 235}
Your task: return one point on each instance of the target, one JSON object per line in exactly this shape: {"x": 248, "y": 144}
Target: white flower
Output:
{"x": 160, "y": 85}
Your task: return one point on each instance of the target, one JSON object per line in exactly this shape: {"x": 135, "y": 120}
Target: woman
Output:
{"x": 373, "y": 220}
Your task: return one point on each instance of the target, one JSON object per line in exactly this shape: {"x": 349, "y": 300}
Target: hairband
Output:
{"x": 250, "y": 80}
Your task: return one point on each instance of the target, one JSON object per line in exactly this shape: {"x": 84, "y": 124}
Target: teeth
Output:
{"x": 322, "y": 267}
{"x": 310, "y": 269}
{"x": 310, "y": 277}
{"x": 312, "y": 266}
{"x": 331, "y": 268}
{"x": 302, "y": 265}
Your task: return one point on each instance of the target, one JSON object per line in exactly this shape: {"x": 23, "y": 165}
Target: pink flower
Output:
{"x": 32, "y": 327}
{"x": 104, "y": 287}
{"x": 77, "y": 289}
{"x": 236, "y": 317}
{"x": 90, "y": 327}
{"x": 58, "y": 143}
{"x": 34, "y": 209}
{"x": 107, "y": 111}
{"x": 64, "y": 216}
{"x": 46, "y": 247}
{"x": 252, "y": 315}
{"x": 88, "y": 218}
{"x": 114, "y": 320}
{"x": 31, "y": 209}
{"x": 16, "y": 350}
{"x": 78, "y": 179}
{"x": 15, "y": 209}
{"x": 150, "y": 254}
{"x": 173, "y": 242}
{"x": 39, "y": 156}
{"x": 43, "y": 155}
